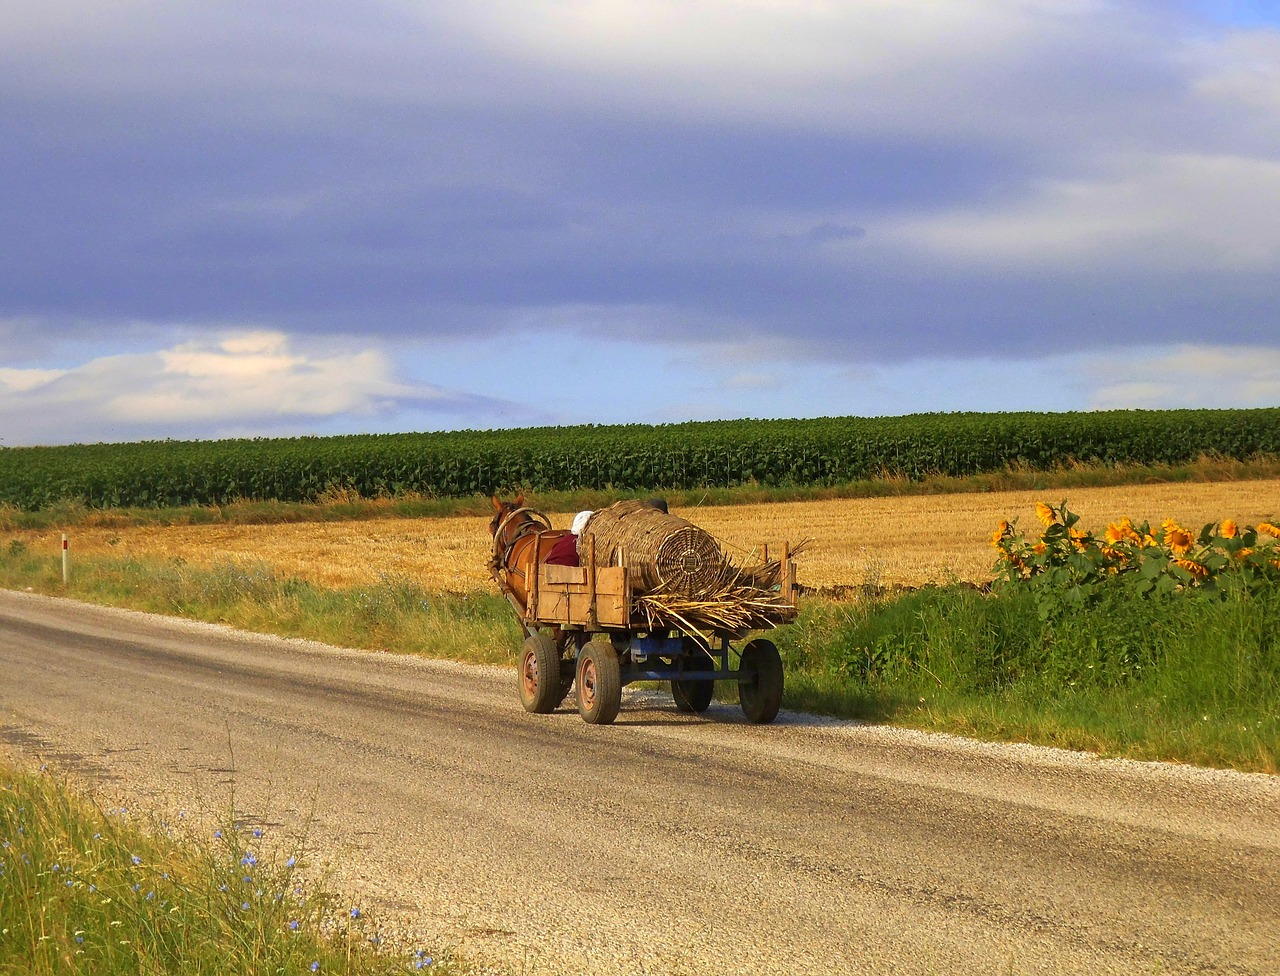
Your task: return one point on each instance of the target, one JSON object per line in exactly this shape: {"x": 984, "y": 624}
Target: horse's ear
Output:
{"x": 497, "y": 505}
{"x": 519, "y": 500}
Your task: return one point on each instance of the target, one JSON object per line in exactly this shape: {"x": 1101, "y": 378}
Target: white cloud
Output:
{"x": 1244, "y": 68}
{"x": 239, "y": 380}
{"x": 1188, "y": 376}
{"x": 1170, "y": 211}
{"x": 25, "y": 380}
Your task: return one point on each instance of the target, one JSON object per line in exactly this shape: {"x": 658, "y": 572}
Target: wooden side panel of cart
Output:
{"x": 573, "y": 596}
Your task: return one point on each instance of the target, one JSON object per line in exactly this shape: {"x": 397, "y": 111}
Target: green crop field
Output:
{"x": 826, "y": 451}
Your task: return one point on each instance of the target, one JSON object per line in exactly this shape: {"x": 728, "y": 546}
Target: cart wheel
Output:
{"x": 760, "y": 681}
{"x": 540, "y": 675}
{"x": 567, "y": 670}
{"x": 599, "y": 683}
{"x": 694, "y": 695}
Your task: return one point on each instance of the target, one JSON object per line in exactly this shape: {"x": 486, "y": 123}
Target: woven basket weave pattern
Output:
{"x": 664, "y": 551}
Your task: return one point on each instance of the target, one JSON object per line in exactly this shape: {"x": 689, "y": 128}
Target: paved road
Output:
{"x": 662, "y": 844}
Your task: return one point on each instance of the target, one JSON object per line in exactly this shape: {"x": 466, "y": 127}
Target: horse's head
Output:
{"x": 501, "y": 512}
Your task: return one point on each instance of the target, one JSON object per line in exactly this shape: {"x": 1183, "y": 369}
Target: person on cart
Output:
{"x": 565, "y": 550}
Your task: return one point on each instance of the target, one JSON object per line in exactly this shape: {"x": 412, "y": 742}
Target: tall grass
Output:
{"x": 1193, "y": 680}
{"x": 393, "y": 614}
{"x": 88, "y": 891}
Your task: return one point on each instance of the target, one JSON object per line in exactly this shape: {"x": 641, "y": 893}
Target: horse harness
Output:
{"x": 531, "y": 525}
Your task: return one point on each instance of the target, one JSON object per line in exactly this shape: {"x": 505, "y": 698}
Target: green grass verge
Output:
{"x": 1182, "y": 679}
{"x": 88, "y": 891}
{"x": 1191, "y": 680}
{"x": 345, "y": 505}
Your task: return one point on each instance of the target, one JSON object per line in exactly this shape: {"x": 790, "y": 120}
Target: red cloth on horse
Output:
{"x": 564, "y": 552}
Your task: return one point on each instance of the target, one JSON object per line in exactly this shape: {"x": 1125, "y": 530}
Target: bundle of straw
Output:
{"x": 680, "y": 576}
{"x": 663, "y": 552}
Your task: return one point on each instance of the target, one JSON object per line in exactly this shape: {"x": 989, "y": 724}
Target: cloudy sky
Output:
{"x": 258, "y": 217}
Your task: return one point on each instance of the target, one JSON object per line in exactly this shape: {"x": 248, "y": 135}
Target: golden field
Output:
{"x": 887, "y": 541}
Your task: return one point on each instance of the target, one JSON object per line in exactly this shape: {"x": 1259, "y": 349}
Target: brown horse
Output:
{"x": 515, "y": 530}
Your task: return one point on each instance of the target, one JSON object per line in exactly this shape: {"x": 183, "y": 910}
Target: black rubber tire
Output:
{"x": 760, "y": 681}
{"x": 566, "y": 680}
{"x": 694, "y": 696}
{"x": 599, "y": 677}
{"x": 540, "y": 675}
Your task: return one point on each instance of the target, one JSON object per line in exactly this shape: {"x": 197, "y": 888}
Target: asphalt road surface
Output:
{"x": 663, "y": 844}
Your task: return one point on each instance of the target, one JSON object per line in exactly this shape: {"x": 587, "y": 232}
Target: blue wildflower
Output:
{"x": 315, "y": 967}
{"x": 136, "y": 859}
{"x": 355, "y": 913}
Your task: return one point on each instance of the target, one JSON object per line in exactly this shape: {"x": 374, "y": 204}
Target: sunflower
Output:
{"x": 1228, "y": 529}
{"x": 1269, "y": 529}
{"x": 1039, "y": 548}
{"x": 1177, "y": 538}
{"x": 1193, "y": 567}
{"x": 998, "y": 535}
{"x": 1045, "y": 514}
{"x": 1080, "y": 538}
{"x": 1122, "y": 531}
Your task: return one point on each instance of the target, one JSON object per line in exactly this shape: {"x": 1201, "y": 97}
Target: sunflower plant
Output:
{"x": 1068, "y": 565}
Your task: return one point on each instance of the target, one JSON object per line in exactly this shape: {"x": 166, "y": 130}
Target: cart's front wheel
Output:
{"x": 760, "y": 681}
{"x": 694, "y": 695}
{"x": 540, "y": 675}
{"x": 599, "y": 683}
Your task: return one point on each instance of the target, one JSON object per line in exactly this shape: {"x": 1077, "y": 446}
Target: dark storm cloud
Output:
{"x": 319, "y": 169}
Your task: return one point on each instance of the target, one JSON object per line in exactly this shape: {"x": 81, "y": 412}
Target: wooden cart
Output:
{"x": 582, "y": 628}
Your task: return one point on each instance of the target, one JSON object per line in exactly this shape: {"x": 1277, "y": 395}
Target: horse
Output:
{"x": 515, "y": 530}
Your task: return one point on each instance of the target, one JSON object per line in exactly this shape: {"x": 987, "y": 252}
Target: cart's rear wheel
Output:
{"x": 760, "y": 681}
{"x": 540, "y": 674}
{"x": 694, "y": 695}
{"x": 599, "y": 683}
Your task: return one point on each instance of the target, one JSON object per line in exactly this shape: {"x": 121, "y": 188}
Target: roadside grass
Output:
{"x": 1181, "y": 679}
{"x": 1188, "y": 680}
{"x": 339, "y": 504}
{"x": 392, "y": 615}
{"x": 88, "y": 891}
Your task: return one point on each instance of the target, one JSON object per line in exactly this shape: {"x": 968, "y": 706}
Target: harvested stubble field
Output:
{"x": 902, "y": 541}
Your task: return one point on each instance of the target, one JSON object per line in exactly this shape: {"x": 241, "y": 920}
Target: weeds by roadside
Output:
{"x": 88, "y": 891}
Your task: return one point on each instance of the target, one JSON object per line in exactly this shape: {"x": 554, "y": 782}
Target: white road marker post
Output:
{"x": 66, "y": 561}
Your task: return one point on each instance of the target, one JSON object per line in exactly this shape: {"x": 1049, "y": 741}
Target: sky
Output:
{"x": 269, "y": 217}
